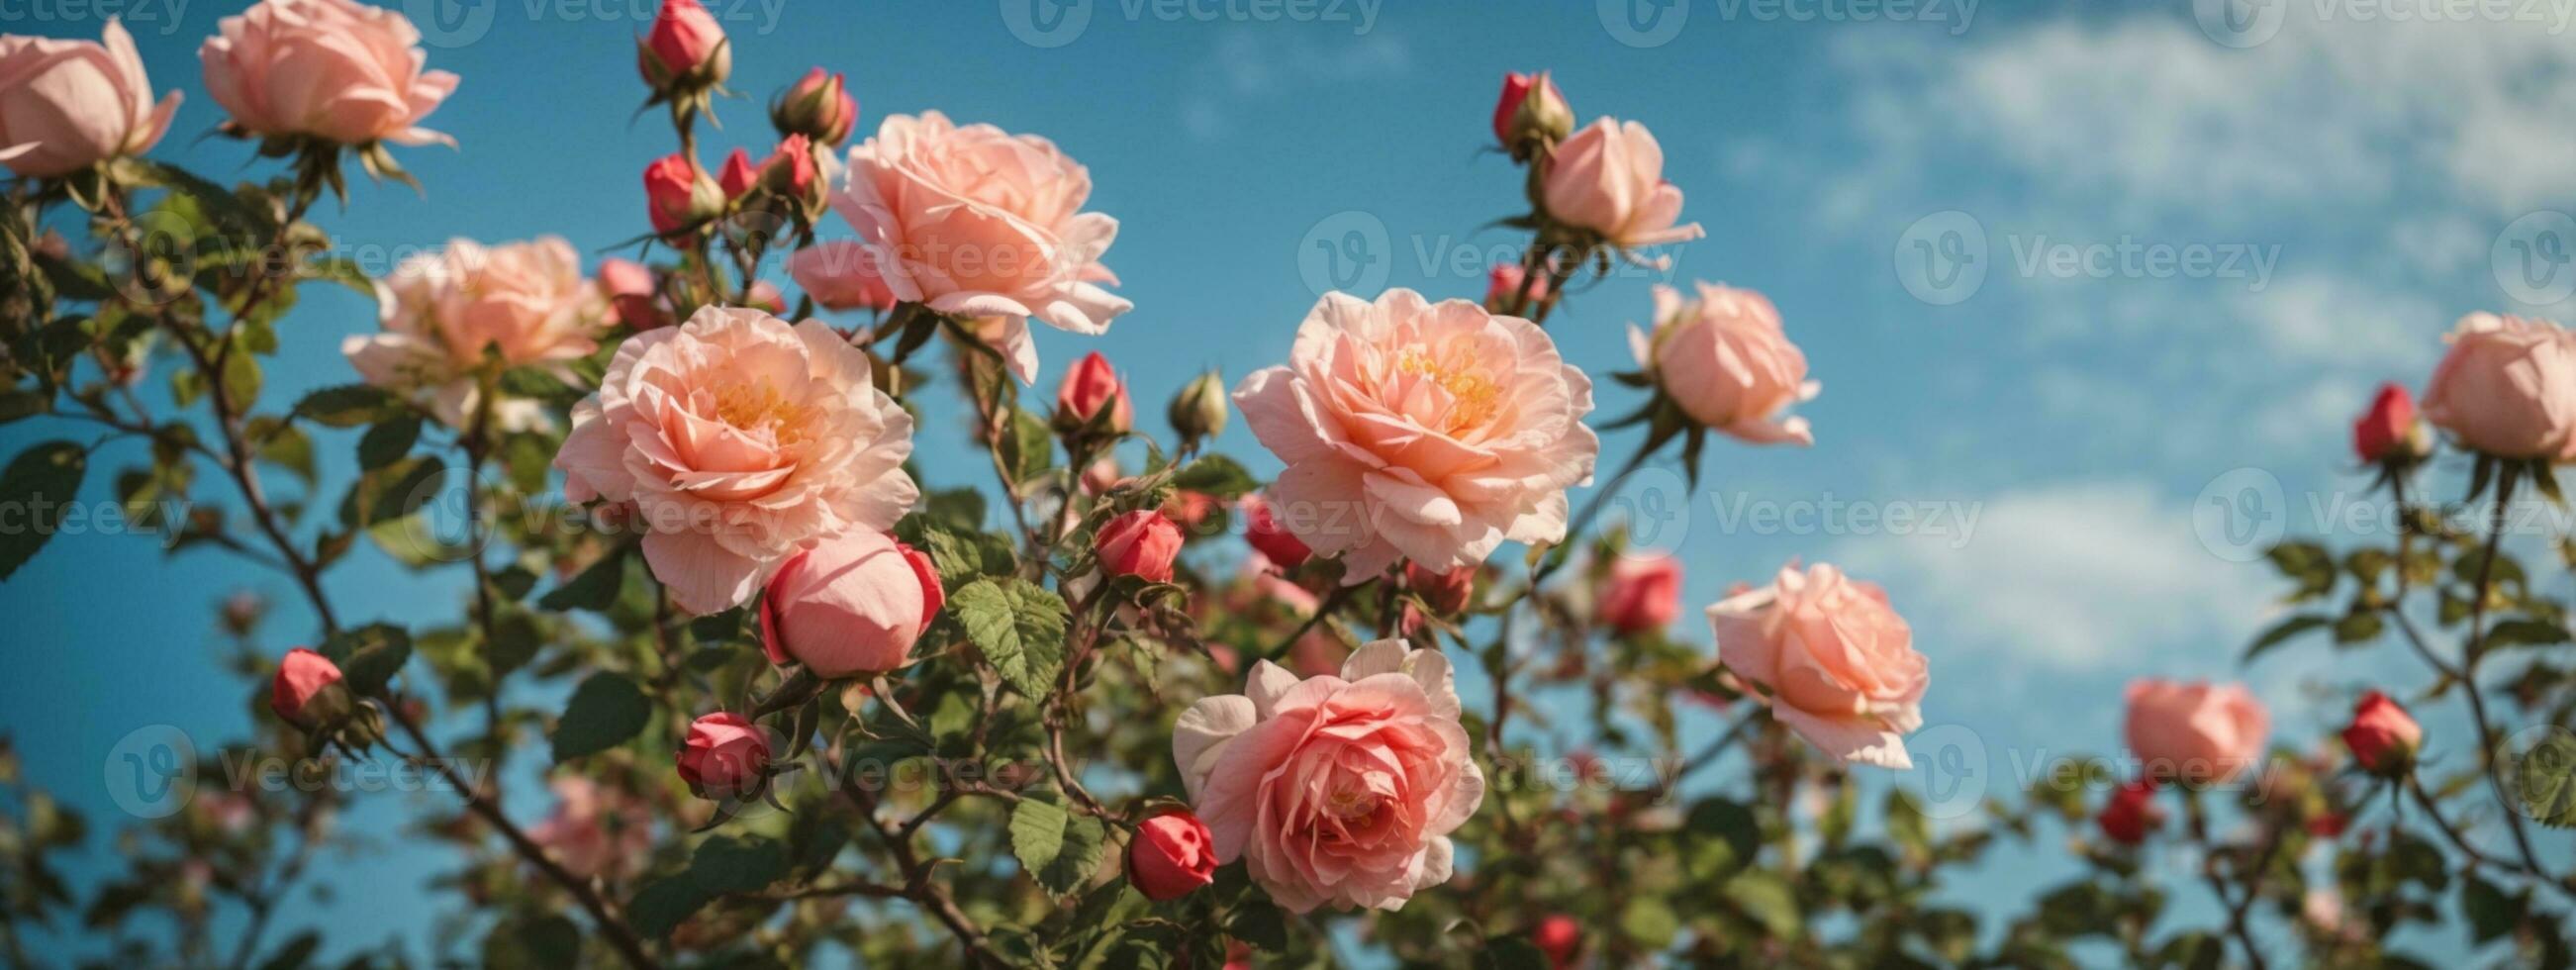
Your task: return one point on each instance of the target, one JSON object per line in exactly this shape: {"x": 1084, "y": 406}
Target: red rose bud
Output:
{"x": 1641, "y": 593}
{"x": 307, "y": 692}
{"x": 1139, "y": 543}
{"x": 685, "y": 50}
{"x": 1088, "y": 389}
{"x": 679, "y": 194}
{"x": 1530, "y": 110}
{"x": 1171, "y": 856}
{"x": 725, "y": 755}
{"x": 1503, "y": 288}
{"x": 2387, "y": 432}
{"x": 738, "y": 176}
{"x": 1559, "y": 937}
{"x": 790, "y": 173}
{"x": 2383, "y": 737}
{"x": 1446, "y": 593}
{"x": 2328, "y": 825}
{"x": 2131, "y": 813}
{"x": 1276, "y": 544}
{"x": 817, "y": 106}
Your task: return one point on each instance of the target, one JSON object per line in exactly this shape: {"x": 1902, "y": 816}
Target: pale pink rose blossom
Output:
{"x": 2196, "y": 732}
{"x": 442, "y": 312}
{"x": 332, "y": 69}
{"x": 1419, "y": 430}
{"x": 2507, "y": 387}
{"x": 741, "y": 441}
{"x": 1839, "y": 662}
{"x": 1725, "y": 360}
{"x": 1609, "y": 178}
{"x": 594, "y": 830}
{"x": 840, "y": 275}
{"x": 975, "y": 222}
{"x": 66, "y": 105}
{"x": 1336, "y": 791}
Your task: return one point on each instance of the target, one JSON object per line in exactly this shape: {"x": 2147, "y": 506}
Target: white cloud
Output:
{"x": 1247, "y": 67}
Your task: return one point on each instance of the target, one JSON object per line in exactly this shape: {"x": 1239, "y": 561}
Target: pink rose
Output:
{"x": 1609, "y": 178}
{"x": 1503, "y": 288}
{"x": 1420, "y": 430}
{"x": 1725, "y": 360}
{"x": 853, "y": 605}
{"x": 307, "y": 691}
{"x": 594, "y": 831}
{"x": 443, "y": 311}
{"x": 1641, "y": 593}
{"x": 978, "y": 223}
{"x": 1335, "y": 790}
{"x": 2196, "y": 733}
{"x": 1170, "y": 857}
{"x": 724, "y": 755}
{"x": 633, "y": 293}
{"x": 2382, "y": 736}
{"x": 1139, "y": 543}
{"x": 740, "y": 441}
{"x": 817, "y": 106}
{"x": 685, "y": 49}
{"x": 2507, "y": 388}
{"x": 66, "y": 105}
{"x": 1840, "y": 663}
{"x": 1530, "y": 108}
{"x": 678, "y": 194}
{"x": 1265, "y": 536}
{"x": 1091, "y": 386}
{"x": 840, "y": 275}
{"x": 331, "y": 69}
{"x": 737, "y": 176}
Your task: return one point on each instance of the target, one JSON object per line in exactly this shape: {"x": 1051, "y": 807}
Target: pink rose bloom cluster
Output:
{"x": 1335, "y": 791}
{"x": 741, "y": 441}
{"x": 336, "y": 70}
{"x": 1839, "y": 662}
{"x": 442, "y": 312}
{"x": 1724, "y": 359}
{"x": 1429, "y": 431}
{"x": 66, "y": 105}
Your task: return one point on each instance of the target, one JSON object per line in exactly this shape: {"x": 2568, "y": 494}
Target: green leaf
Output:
{"x": 2359, "y": 626}
{"x": 214, "y": 200}
{"x": 388, "y": 441}
{"x": 1216, "y": 475}
{"x": 725, "y": 864}
{"x": 1058, "y": 848}
{"x": 1019, "y": 626}
{"x": 1260, "y": 923}
{"x": 1732, "y": 831}
{"x": 663, "y": 904}
{"x": 595, "y": 588}
{"x": 348, "y": 406}
{"x": 2523, "y": 633}
{"x": 2281, "y": 633}
{"x": 532, "y": 943}
{"x": 241, "y": 379}
{"x": 341, "y": 270}
{"x": 1650, "y": 921}
{"x": 1510, "y": 953}
{"x": 2490, "y": 912}
{"x": 40, "y": 483}
{"x": 1028, "y": 450}
{"x": 1765, "y": 898}
{"x": 369, "y": 656}
{"x": 605, "y": 711}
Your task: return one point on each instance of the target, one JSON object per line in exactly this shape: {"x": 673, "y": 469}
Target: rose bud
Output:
{"x": 724, "y": 756}
{"x": 1609, "y": 179}
{"x": 2388, "y": 432}
{"x": 1446, "y": 593}
{"x": 1641, "y": 593}
{"x": 71, "y": 104}
{"x": 1199, "y": 410}
{"x": 1529, "y": 112}
{"x": 817, "y": 106}
{"x": 1264, "y": 533}
{"x": 2131, "y": 813}
{"x": 738, "y": 176}
{"x": 2328, "y": 825}
{"x": 789, "y": 173}
{"x": 1139, "y": 543}
{"x": 852, "y": 605}
{"x": 307, "y": 692}
{"x": 2195, "y": 732}
{"x": 2507, "y": 388}
{"x": 685, "y": 51}
{"x": 1503, "y": 288}
{"x": 1171, "y": 856}
{"x": 679, "y": 194}
{"x": 840, "y": 275}
{"x": 1559, "y": 937}
{"x": 633, "y": 295}
{"x": 2383, "y": 737}
{"x": 1089, "y": 389}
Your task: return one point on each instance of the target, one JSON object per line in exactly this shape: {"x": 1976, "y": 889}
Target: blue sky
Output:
{"x": 2070, "y": 274}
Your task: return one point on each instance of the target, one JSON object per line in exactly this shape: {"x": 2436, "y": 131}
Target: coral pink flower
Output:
{"x": 1609, "y": 178}
{"x": 2388, "y": 424}
{"x": 1725, "y": 360}
{"x": 331, "y": 69}
{"x": 442, "y": 312}
{"x": 66, "y": 105}
{"x": 2382, "y": 736}
{"x": 594, "y": 831}
{"x": 1170, "y": 856}
{"x": 740, "y": 441}
{"x": 853, "y": 605}
{"x": 840, "y": 275}
{"x": 1641, "y": 593}
{"x": 724, "y": 755}
{"x": 2507, "y": 387}
{"x": 2131, "y": 813}
{"x": 1840, "y": 663}
{"x": 1335, "y": 790}
{"x": 1420, "y": 430}
{"x": 1139, "y": 543}
{"x": 2194, "y": 732}
{"x": 307, "y": 690}
{"x": 975, "y": 222}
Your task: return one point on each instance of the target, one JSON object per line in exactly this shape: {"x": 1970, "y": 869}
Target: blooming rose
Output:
{"x": 1724, "y": 359}
{"x": 594, "y": 831}
{"x": 66, "y": 105}
{"x": 853, "y": 605}
{"x": 1335, "y": 790}
{"x": 331, "y": 69}
{"x": 1641, "y": 593}
{"x": 840, "y": 275}
{"x": 2131, "y": 812}
{"x": 1840, "y": 663}
{"x": 1609, "y": 178}
{"x": 1139, "y": 543}
{"x": 2389, "y": 424}
{"x": 2382, "y": 736}
{"x": 1432, "y": 431}
{"x": 2507, "y": 387}
{"x": 978, "y": 223}
{"x": 2196, "y": 733}
{"x": 1170, "y": 856}
{"x": 442, "y": 312}
{"x": 724, "y": 755}
{"x": 741, "y": 441}
{"x": 1089, "y": 386}
{"x": 307, "y": 691}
